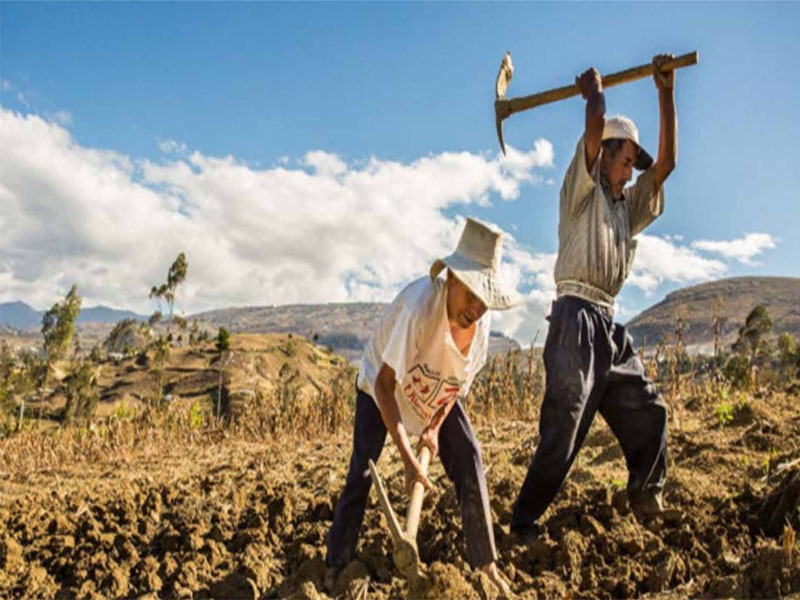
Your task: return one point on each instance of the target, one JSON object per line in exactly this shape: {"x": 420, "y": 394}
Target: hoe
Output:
{"x": 405, "y": 553}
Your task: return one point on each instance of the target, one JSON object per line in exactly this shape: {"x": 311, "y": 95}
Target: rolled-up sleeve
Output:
{"x": 400, "y": 342}
{"x": 645, "y": 204}
{"x": 578, "y": 182}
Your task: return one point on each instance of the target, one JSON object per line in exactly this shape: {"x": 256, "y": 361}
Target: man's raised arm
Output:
{"x": 591, "y": 88}
{"x": 668, "y": 123}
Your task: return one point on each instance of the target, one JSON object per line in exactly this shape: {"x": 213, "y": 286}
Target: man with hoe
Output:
{"x": 590, "y": 362}
{"x": 415, "y": 371}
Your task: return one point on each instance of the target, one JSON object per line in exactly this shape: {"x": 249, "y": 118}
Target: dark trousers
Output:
{"x": 461, "y": 458}
{"x": 591, "y": 366}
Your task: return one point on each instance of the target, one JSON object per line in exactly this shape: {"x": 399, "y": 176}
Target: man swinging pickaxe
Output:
{"x": 591, "y": 364}
{"x": 505, "y": 107}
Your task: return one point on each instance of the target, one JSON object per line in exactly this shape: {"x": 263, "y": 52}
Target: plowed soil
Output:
{"x": 243, "y": 520}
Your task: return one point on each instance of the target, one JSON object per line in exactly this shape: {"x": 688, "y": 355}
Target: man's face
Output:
{"x": 463, "y": 306}
{"x": 617, "y": 170}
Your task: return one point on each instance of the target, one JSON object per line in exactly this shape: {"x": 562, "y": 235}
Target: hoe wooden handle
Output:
{"x": 417, "y": 494}
{"x": 526, "y": 102}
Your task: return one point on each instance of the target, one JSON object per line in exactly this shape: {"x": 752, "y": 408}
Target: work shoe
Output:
{"x": 647, "y": 504}
{"x": 526, "y": 533}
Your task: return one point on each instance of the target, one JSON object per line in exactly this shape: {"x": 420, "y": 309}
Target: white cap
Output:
{"x": 621, "y": 127}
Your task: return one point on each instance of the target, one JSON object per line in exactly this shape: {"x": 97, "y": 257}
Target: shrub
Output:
{"x": 81, "y": 394}
{"x": 195, "y": 415}
{"x": 724, "y": 412}
{"x": 737, "y": 370}
{"x": 223, "y": 339}
{"x": 58, "y": 325}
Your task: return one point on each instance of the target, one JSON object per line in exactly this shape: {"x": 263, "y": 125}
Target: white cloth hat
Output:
{"x": 476, "y": 263}
{"x": 621, "y": 127}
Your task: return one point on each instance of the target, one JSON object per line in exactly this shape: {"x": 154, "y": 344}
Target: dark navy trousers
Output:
{"x": 591, "y": 366}
{"x": 461, "y": 458}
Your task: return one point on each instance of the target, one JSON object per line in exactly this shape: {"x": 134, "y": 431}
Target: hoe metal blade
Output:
{"x": 391, "y": 518}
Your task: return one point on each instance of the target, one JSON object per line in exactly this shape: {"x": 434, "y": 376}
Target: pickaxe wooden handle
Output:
{"x": 504, "y": 107}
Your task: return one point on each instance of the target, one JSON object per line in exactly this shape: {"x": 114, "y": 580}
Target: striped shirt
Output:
{"x": 596, "y": 244}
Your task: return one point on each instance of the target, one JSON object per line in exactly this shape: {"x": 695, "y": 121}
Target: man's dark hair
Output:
{"x": 612, "y": 146}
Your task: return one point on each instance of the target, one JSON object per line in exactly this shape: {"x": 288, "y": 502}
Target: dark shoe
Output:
{"x": 647, "y": 504}
{"x": 331, "y": 574}
{"x": 526, "y": 533}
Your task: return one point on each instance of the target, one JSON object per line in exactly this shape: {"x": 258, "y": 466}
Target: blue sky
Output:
{"x": 389, "y": 92}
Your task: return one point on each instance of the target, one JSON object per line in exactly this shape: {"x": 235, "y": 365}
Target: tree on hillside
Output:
{"x": 752, "y": 340}
{"x": 750, "y": 348}
{"x": 223, "y": 339}
{"x": 120, "y": 335}
{"x": 788, "y": 352}
{"x": 6, "y": 378}
{"x": 194, "y": 333}
{"x": 58, "y": 325}
{"x": 161, "y": 356}
{"x": 82, "y": 395}
{"x": 787, "y": 348}
{"x": 166, "y": 291}
{"x": 127, "y": 335}
{"x": 155, "y": 318}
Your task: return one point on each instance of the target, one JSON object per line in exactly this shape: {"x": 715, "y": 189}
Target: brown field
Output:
{"x": 171, "y": 502}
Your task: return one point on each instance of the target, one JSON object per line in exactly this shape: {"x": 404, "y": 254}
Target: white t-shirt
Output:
{"x": 414, "y": 339}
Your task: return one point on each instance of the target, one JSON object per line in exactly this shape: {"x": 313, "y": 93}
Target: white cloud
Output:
{"x": 659, "y": 260}
{"x": 526, "y": 323}
{"x": 527, "y": 270}
{"x": 172, "y": 147}
{"x": 743, "y": 249}
{"x": 62, "y": 117}
{"x": 326, "y": 230}
{"x": 324, "y": 163}
{"x": 22, "y": 97}
{"x": 314, "y": 229}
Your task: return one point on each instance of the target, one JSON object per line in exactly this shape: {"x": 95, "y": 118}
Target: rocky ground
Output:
{"x": 245, "y": 520}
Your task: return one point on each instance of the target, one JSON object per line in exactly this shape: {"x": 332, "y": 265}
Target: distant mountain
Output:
{"x": 18, "y": 315}
{"x": 346, "y": 327}
{"x": 103, "y": 314}
{"x": 731, "y": 298}
{"x": 342, "y": 325}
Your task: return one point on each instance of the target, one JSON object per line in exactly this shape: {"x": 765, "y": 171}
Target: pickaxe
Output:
{"x": 504, "y": 107}
{"x": 405, "y": 553}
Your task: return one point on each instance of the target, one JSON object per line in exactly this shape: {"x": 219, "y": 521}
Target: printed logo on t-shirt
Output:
{"x": 427, "y": 392}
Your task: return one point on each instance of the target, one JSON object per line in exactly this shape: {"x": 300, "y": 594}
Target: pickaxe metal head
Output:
{"x": 502, "y": 109}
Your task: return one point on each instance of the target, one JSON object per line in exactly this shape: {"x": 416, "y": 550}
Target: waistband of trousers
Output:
{"x": 588, "y": 292}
